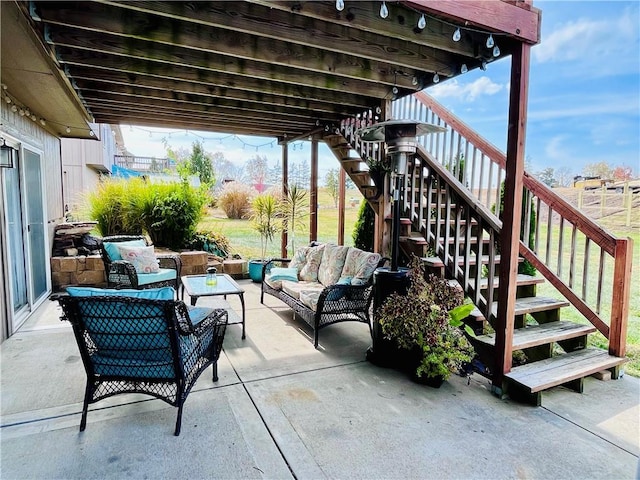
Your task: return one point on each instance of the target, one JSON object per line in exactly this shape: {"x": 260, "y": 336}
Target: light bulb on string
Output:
{"x": 22, "y": 112}
{"x": 436, "y": 78}
{"x": 490, "y": 42}
{"x": 68, "y": 129}
{"x": 457, "y": 35}
{"x": 483, "y": 65}
{"x": 496, "y": 51}
{"x": 339, "y": 5}
{"x": 394, "y": 90}
{"x": 384, "y": 11}
{"x": 463, "y": 68}
{"x": 422, "y": 23}
{"x": 43, "y": 122}
{"x": 14, "y": 108}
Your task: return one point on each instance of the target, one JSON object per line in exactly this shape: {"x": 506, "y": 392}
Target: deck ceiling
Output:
{"x": 270, "y": 68}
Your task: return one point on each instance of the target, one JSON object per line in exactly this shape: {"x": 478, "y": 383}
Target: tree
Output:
{"x": 600, "y": 169}
{"x": 294, "y": 211}
{"x": 547, "y": 177}
{"x": 622, "y": 173}
{"x": 331, "y": 183}
{"x": 201, "y": 164}
{"x": 564, "y": 177}
{"x": 225, "y": 169}
{"x": 257, "y": 169}
{"x": 274, "y": 176}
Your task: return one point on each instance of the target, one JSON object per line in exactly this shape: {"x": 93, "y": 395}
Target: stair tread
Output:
{"x": 537, "y": 376}
{"x": 437, "y": 261}
{"x": 533, "y": 335}
{"x": 520, "y": 281}
{"x": 527, "y": 305}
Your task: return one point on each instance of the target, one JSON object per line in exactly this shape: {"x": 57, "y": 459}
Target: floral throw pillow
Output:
{"x": 309, "y": 272}
{"x": 143, "y": 259}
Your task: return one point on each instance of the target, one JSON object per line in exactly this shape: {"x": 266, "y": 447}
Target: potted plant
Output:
{"x": 425, "y": 326}
{"x": 294, "y": 210}
{"x": 265, "y": 213}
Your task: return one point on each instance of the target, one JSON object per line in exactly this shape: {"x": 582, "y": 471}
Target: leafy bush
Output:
{"x": 212, "y": 242}
{"x": 364, "y": 227}
{"x": 113, "y": 205}
{"x": 235, "y": 199}
{"x": 168, "y": 213}
{"x": 426, "y": 321}
{"x": 174, "y": 215}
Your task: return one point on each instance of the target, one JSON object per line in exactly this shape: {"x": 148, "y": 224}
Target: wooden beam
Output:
{"x": 214, "y": 83}
{"x": 518, "y": 21}
{"x": 208, "y": 46}
{"x": 512, "y": 213}
{"x": 332, "y": 30}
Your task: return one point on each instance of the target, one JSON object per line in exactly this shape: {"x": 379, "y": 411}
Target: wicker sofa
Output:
{"x": 324, "y": 284}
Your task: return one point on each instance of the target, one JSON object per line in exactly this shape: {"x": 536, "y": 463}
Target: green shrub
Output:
{"x": 235, "y": 199}
{"x": 363, "y": 230}
{"x": 168, "y": 213}
{"x": 212, "y": 242}
{"x": 112, "y": 204}
{"x": 175, "y": 212}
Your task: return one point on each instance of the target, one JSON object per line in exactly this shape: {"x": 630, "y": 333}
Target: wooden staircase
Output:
{"x": 449, "y": 221}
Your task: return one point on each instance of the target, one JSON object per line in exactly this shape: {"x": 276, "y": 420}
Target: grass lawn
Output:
{"x": 245, "y": 241}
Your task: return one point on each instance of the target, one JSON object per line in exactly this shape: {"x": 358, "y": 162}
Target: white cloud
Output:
{"x": 592, "y": 42}
{"x": 469, "y": 92}
{"x": 556, "y": 149}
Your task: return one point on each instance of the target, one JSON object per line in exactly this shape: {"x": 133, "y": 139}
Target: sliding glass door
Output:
{"x": 26, "y": 234}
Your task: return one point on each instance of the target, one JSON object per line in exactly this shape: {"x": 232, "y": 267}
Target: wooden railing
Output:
{"x": 561, "y": 243}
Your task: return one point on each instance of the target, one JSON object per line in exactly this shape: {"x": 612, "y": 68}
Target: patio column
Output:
{"x": 342, "y": 179}
{"x": 285, "y": 190}
{"x": 512, "y": 214}
{"x": 313, "y": 203}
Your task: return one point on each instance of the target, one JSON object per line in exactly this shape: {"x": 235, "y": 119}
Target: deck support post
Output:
{"x": 285, "y": 190}
{"x": 512, "y": 213}
{"x": 342, "y": 180}
{"x": 313, "y": 201}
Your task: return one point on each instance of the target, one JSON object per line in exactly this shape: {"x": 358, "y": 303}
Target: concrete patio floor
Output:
{"x": 282, "y": 409}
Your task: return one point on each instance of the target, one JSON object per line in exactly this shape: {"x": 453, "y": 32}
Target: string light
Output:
{"x": 384, "y": 11}
{"x": 463, "y": 68}
{"x": 436, "y": 78}
{"x": 496, "y": 51}
{"x": 68, "y": 129}
{"x": 339, "y": 5}
{"x": 422, "y": 23}
{"x": 457, "y": 35}
{"x": 490, "y": 42}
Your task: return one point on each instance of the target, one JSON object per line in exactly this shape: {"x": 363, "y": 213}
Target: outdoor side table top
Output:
{"x": 196, "y": 287}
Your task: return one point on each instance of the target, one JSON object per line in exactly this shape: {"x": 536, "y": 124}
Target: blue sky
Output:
{"x": 584, "y": 97}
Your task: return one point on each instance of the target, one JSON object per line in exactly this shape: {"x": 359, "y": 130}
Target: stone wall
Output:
{"x": 89, "y": 270}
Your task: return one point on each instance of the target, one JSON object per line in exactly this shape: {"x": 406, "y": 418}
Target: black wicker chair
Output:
{"x": 122, "y": 274}
{"x": 134, "y": 345}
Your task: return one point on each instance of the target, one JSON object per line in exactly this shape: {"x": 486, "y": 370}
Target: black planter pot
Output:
{"x": 435, "y": 382}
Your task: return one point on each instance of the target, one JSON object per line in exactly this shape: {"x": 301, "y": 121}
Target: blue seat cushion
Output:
{"x": 162, "y": 293}
{"x": 163, "y": 275}
{"x": 161, "y": 368}
{"x": 197, "y": 314}
{"x": 338, "y": 293}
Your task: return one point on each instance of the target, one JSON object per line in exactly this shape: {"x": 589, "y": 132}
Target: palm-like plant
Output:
{"x": 264, "y": 219}
{"x": 294, "y": 209}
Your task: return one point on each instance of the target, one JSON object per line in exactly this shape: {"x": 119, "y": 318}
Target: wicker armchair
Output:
{"x": 136, "y": 345}
{"x": 122, "y": 274}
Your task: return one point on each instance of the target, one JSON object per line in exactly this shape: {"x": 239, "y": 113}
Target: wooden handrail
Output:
{"x": 539, "y": 189}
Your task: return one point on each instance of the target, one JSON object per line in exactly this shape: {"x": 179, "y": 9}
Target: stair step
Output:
{"x": 525, "y": 305}
{"x": 543, "y": 334}
{"x": 522, "y": 280}
{"x": 415, "y": 240}
{"x": 436, "y": 262}
{"x": 352, "y": 160}
{"x": 554, "y": 371}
